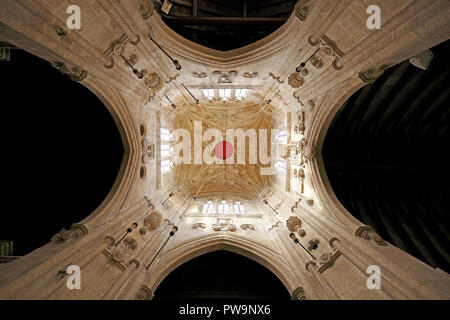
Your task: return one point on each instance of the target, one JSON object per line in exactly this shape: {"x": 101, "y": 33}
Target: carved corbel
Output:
{"x": 309, "y": 107}
{"x": 299, "y": 294}
{"x": 301, "y": 10}
{"x": 309, "y": 152}
{"x": 144, "y": 293}
{"x": 367, "y": 233}
{"x": 146, "y": 9}
{"x": 148, "y": 149}
{"x": 295, "y": 80}
{"x": 276, "y": 78}
{"x": 275, "y": 225}
{"x": 153, "y": 221}
{"x": 327, "y": 260}
{"x": 294, "y": 225}
{"x": 250, "y": 75}
{"x": 247, "y": 226}
{"x": 225, "y": 76}
{"x": 76, "y": 231}
{"x": 73, "y": 72}
{"x": 372, "y": 74}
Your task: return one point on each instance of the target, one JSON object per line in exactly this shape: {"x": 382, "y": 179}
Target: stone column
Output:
{"x": 132, "y": 266}
{"x": 386, "y": 284}
{"x": 311, "y": 267}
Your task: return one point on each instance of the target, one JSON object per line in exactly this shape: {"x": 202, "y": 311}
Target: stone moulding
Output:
{"x": 144, "y": 293}
{"x": 73, "y": 72}
{"x": 299, "y": 294}
{"x": 367, "y": 233}
{"x": 75, "y": 231}
{"x": 327, "y": 260}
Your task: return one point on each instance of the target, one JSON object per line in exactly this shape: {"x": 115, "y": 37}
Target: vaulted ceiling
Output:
{"x": 225, "y": 24}
{"x": 386, "y": 155}
{"x": 224, "y": 179}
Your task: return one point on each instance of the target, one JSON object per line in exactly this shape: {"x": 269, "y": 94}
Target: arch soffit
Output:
{"x": 202, "y": 245}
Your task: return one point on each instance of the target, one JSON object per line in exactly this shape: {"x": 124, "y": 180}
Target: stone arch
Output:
{"x": 115, "y": 197}
{"x": 202, "y": 245}
{"x": 331, "y": 105}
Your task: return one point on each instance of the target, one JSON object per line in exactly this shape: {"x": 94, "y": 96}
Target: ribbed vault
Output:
{"x": 386, "y": 155}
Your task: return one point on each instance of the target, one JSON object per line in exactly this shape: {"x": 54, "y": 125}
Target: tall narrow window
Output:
{"x": 208, "y": 207}
{"x": 165, "y": 135}
{"x": 239, "y": 208}
{"x": 281, "y": 136}
{"x": 281, "y": 166}
{"x": 165, "y": 150}
{"x": 165, "y": 166}
{"x": 223, "y": 207}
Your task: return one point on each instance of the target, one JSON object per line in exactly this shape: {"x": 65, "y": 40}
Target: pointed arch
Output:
{"x": 193, "y": 248}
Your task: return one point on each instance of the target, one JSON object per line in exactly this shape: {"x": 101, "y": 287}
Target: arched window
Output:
{"x": 208, "y": 207}
{"x": 223, "y": 207}
{"x": 165, "y": 135}
{"x": 165, "y": 166}
{"x": 282, "y": 136}
{"x": 165, "y": 150}
{"x": 281, "y": 166}
{"x": 239, "y": 208}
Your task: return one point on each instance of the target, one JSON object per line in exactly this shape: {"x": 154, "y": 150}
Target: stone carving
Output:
{"x": 224, "y": 225}
{"x": 367, "y": 233}
{"x": 75, "y": 231}
{"x": 301, "y": 10}
{"x": 116, "y": 47}
{"x": 5, "y": 54}
{"x": 295, "y": 80}
{"x": 296, "y": 205}
{"x": 153, "y": 221}
{"x": 130, "y": 243}
{"x": 275, "y": 225}
{"x": 225, "y": 76}
{"x": 317, "y": 62}
{"x": 148, "y": 149}
{"x": 150, "y": 98}
{"x": 299, "y": 294}
{"x": 293, "y": 224}
{"x": 169, "y": 223}
{"x": 149, "y": 203}
{"x": 268, "y": 193}
{"x": 133, "y": 59}
{"x": 309, "y": 107}
{"x": 199, "y": 75}
{"x": 168, "y": 204}
{"x": 327, "y": 260}
{"x": 153, "y": 81}
{"x": 144, "y": 293}
{"x": 276, "y": 78}
{"x": 300, "y": 126}
{"x": 302, "y": 232}
{"x": 73, "y": 72}
{"x": 146, "y": 9}
{"x": 309, "y": 152}
{"x": 247, "y": 226}
{"x": 372, "y": 74}
{"x": 313, "y": 244}
{"x": 198, "y": 225}
{"x": 250, "y": 75}
{"x": 172, "y": 78}
{"x": 62, "y": 33}
{"x": 297, "y": 97}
